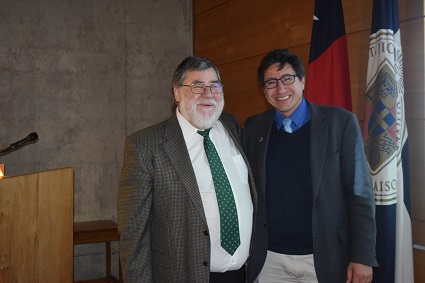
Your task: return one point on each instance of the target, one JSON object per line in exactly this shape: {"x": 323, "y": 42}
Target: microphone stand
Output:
{"x": 5, "y": 151}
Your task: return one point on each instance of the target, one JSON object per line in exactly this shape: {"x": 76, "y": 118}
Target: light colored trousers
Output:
{"x": 281, "y": 268}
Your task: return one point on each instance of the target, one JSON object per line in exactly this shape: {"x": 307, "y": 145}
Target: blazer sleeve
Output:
{"x": 133, "y": 213}
{"x": 359, "y": 191}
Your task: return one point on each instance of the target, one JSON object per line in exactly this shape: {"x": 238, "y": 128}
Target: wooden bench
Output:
{"x": 97, "y": 232}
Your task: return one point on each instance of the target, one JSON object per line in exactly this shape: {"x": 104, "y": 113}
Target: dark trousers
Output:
{"x": 234, "y": 276}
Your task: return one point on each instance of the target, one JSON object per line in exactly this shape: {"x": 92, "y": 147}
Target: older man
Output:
{"x": 186, "y": 199}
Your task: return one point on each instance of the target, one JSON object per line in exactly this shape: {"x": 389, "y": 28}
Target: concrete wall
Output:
{"x": 84, "y": 74}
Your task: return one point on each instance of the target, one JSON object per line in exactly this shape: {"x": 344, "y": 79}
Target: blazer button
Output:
{"x": 206, "y": 233}
{"x": 205, "y": 263}
{"x": 265, "y": 224}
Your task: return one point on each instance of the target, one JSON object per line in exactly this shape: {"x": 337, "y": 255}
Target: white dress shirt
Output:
{"x": 237, "y": 174}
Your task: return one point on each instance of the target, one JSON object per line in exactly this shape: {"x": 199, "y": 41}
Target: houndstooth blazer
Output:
{"x": 161, "y": 220}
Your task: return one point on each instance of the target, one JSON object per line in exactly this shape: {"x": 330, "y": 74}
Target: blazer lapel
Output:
{"x": 318, "y": 144}
{"x": 262, "y": 140}
{"x": 176, "y": 149}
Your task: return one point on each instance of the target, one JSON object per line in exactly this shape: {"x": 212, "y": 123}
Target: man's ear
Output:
{"x": 176, "y": 94}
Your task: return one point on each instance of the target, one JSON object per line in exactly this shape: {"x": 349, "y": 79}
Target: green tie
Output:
{"x": 229, "y": 227}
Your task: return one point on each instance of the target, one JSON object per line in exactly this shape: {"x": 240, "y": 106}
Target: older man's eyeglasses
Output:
{"x": 215, "y": 88}
{"x": 286, "y": 80}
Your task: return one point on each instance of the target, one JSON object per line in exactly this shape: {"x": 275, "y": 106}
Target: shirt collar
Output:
{"x": 300, "y": 116}
{"x": 189, "y": 131}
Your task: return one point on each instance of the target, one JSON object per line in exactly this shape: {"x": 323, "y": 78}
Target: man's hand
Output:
{"x": 359, "y": 273}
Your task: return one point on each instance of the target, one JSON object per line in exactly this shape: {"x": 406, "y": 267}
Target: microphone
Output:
{"x": 14, "y": 146}
{"x": 31, "y": 137}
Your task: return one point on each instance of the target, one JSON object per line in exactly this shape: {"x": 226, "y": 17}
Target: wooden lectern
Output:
{"x": 36, "y": 227}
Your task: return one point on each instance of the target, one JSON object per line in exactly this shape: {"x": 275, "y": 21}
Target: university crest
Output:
{"x": 381, "y": 117}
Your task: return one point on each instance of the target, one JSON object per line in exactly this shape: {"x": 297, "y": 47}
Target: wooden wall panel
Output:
{"x": 410, "y": 9}
{"x": 419, "y": 265}
{"x": 200, "y": 7}
{"x": 413, "y": 59}
{"x": 242, "y": 29}
{"x": 357, "y": 15}
{"x": 418, "y": 232}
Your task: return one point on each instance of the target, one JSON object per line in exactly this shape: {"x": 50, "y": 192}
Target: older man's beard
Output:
{"x": 199, "y": 119}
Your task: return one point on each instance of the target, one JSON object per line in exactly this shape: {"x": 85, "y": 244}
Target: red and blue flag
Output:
{"x": 328, "y": 78}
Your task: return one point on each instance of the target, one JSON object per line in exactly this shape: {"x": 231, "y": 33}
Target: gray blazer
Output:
{"x": 161, "y": 220}
{"x": 343, "y": 203}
